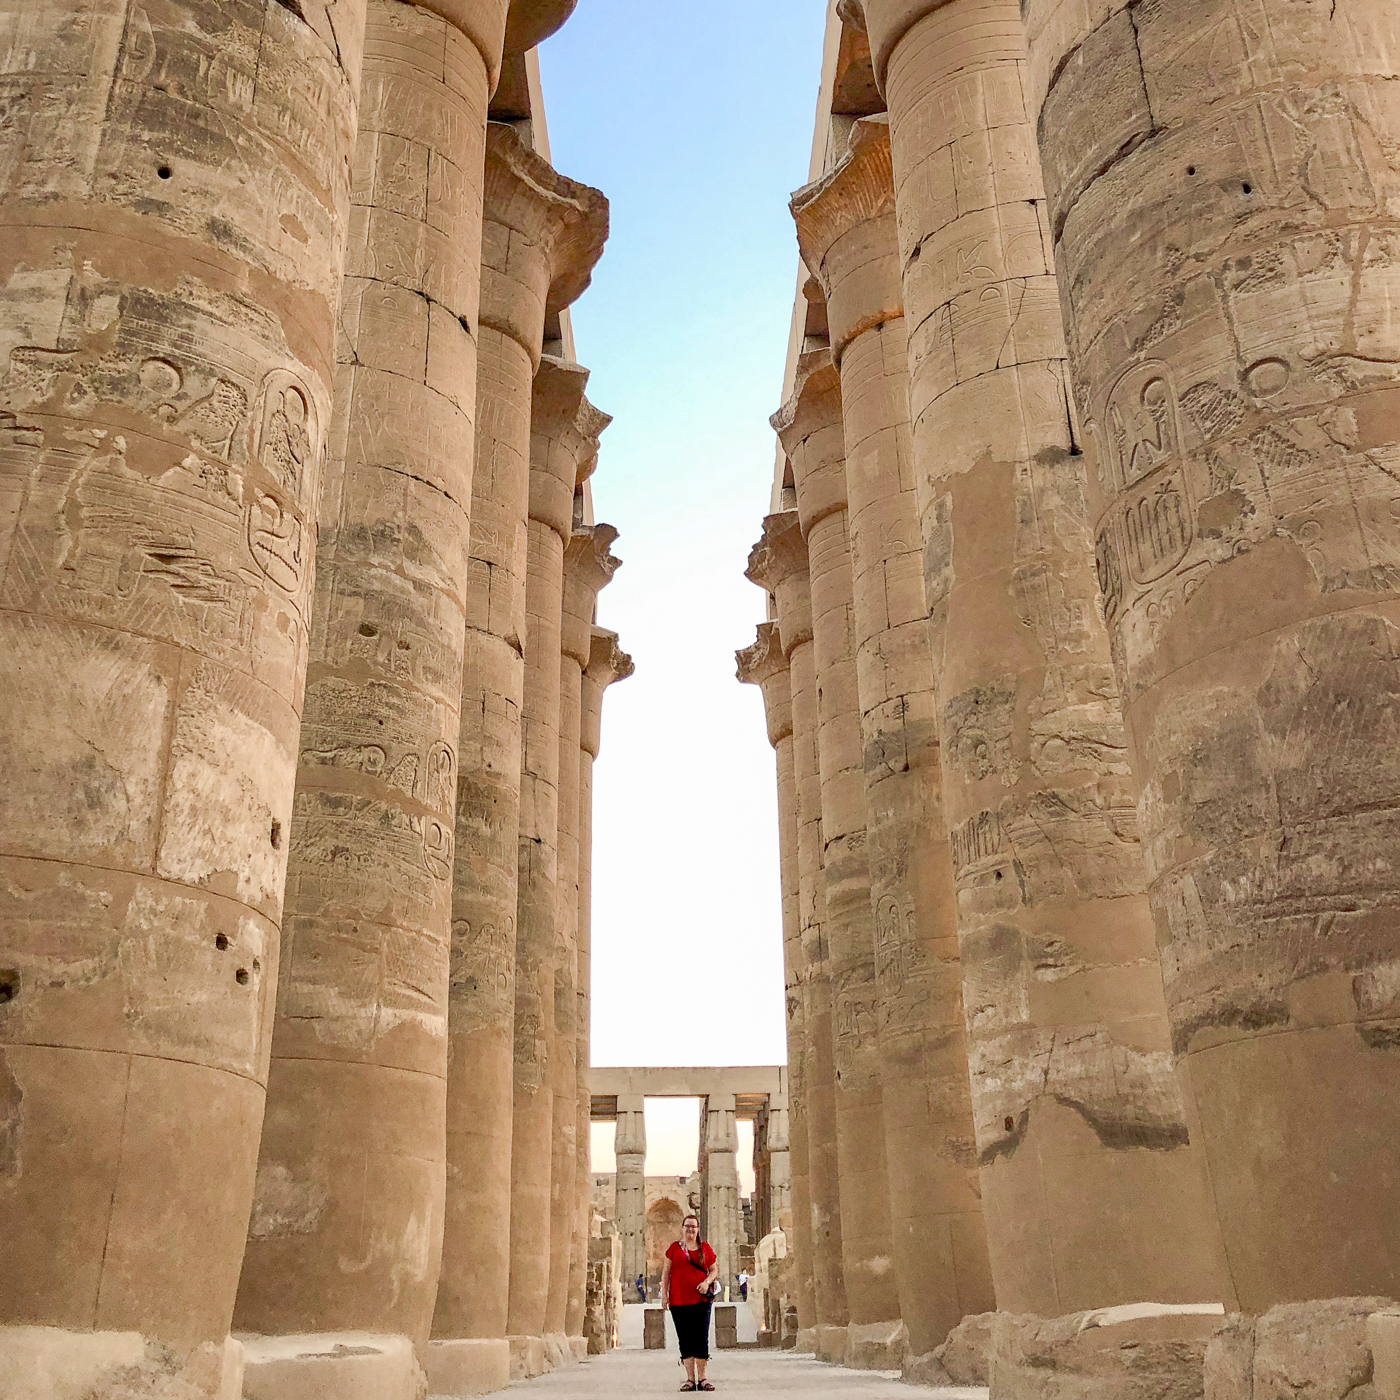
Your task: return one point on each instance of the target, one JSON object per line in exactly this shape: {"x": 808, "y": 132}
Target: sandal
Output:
{"x": 703, "y": 1385}
{"x": 689, "y": 1385}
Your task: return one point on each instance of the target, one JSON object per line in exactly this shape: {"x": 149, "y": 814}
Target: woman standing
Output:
{"x": 687, "y": 1277}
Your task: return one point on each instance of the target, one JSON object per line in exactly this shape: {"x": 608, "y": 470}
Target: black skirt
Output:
{"x": 693, "y": 1329}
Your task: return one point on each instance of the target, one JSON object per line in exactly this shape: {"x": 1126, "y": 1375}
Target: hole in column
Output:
{"x": 998, "y": 874}
{"x": 1247, "y": 187}
{"x": 221, "y": 941}
{"x": 275, "y": 836}
{"x": 241, "y": 976}
{"x": 1009, "y": 1123}
{"x": 9, "y": 984}
{"x": 257, "y": 964}
{"x": 368, "y": 629}
{"x": 165, "y": 172}
{"x": 1190, "y": 169}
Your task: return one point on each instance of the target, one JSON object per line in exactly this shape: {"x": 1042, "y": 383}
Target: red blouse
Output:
{"x": 686, "y": 1274}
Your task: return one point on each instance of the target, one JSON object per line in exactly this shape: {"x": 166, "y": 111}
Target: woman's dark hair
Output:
{"x": 695, "y": 1218}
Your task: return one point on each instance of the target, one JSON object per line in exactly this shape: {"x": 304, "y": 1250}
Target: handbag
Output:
{"x": 710, "y": 1292}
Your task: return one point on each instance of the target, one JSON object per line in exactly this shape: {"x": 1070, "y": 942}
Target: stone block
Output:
{"x": 966, "y": 1354}
{"x": 726, "y": 1325}
{"x": 1229, "y": 1366}
{"x": 1383, "y": 1337}
{"x": 578, "y": 1346}
{"x": 527, "y": 1358}
{"x": 1139, "y": 1352}
{"x": 876, "y": 1346}
{"x": 654, "y": 1329}
{"x": 1315, "y": 1350}
{"x": 831, "y": 1345}
{"x": 557, "y": 1351}
{"x": 806, "y": 1339}
{"x": 925, "y": 1370}
{"x": 468, "y": 1366}
{"x": 52, "y": 1363}
{"x": 330, "y": 1366}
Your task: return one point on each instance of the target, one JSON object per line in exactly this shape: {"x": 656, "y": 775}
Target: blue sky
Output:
{"x": 696, "y": 121}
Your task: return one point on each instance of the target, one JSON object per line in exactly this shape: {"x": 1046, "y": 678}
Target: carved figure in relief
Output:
{"x": 215, "y": 419}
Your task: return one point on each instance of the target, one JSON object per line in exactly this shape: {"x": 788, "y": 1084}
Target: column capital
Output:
{"x": 778, "y": 563}
{"x": 886, "y": 22}
{"x": 589, "y": 565}
{"x": 483, "y": 23}
{"x": 846, "y": 231}
{"x": 764, "y": 664}
{"x": 542, "y": 238}
{"x": 531, "y": 22}
{"x": 564, "y": 432}
{"x": 809, "y": 427}
{"x": 607, "y": 662}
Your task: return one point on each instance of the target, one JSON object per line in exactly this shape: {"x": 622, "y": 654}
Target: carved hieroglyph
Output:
{"x": 845, "y": 227}
{"x": 766, "y": 665}
{"x": 564, "y": 430}
{"x": 1091, "y": 1192}
{"x": 361, "y": 1033}
{"x": 809, "y": 426}
{"x": 588, "y": 567}
{"x": 778, "y": 563}
{"x": 173, "y": 190}
{"x": 540, "y": 238}
{"x": 1222, "y": 184}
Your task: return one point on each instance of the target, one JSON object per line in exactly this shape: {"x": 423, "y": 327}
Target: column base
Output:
{"x": 1140, "y": 1351}
{"x": 330, "y": 1366}
{"x": 557, "y": 1351}
{"x": 579, "y": 1347}
{"x": 42, "y": 1363}
{"x": 527, "y": 1358}
{"x": 468, "y": 1365}
{"x": 806, "y": 1339}
{"x": 831, "y": 1345}
{"x": 876, "y": 1346}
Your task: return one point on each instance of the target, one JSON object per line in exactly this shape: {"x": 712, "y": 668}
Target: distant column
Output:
{"x": 809, "y": 426}
{"x": 845, "y": 226}
{"x": 1074, "y": 1096}
{"x": 354, "y": 1142}
{"x": 721, "y": 1224}
{"x": 766, "y": 664}
{"x": 778, "y": 563}
{"x": 630, "y": 1186}
{"x": 779, "y": 1161}
{"x": 588, "y": 566}
{"x": 541, "y": 236}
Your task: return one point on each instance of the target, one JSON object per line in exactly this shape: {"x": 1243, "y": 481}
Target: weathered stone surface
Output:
{"x": 966, "y": 1353}
{"x": 1315, "y": 1350}
{"x": 172, "y": 233}
{"x": 1221, "y": 200}
{"x": 1145, "y": 1358}
{"x": 1383, "y": 1337}
{"x": 779, "y": 564}
{"x": 846, "y": 229}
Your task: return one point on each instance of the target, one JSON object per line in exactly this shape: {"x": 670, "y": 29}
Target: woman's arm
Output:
{"x": 666, "y": 1279}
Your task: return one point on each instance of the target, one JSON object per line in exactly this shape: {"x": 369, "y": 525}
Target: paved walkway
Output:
{"x": 630, "y": 1374}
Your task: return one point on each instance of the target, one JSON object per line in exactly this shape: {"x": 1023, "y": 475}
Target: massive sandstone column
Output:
{"x": 354, "y": 1144}
{"x": 172, "y": 225}
{"x": 766, "y": 665}
{"x": 1222, "y": 200}
{"x": 564, "y": 431}
{"x": 588, "y": 567}
{"x": 845, "y": 227}
{"x": 778, "y": 563}
{"x": 541, "y": 237}
{"x": 809, "y": 425}
{"x": 1092, "y": 1193}
{"x": 629, "y": 1186}
{"x": 719, "y": 1145}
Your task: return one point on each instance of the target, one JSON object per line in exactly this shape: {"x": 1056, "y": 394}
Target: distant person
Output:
{"x": 744, "y": 1285}
{"x": 688, "y": 1281}
{"x": 641, "y": 1289}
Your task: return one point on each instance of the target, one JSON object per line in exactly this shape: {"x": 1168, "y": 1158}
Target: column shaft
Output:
{"x": 630, "y": 1187}
{"x": 810, "y": 426}
{"x": 1092, "y": 1192}
{"x": 1224, "y": 242}
{"x": 845, "y": 224}
{"x": 721, "y": 1173}
{"x": 357, "y": 1093}
{"x": 166, "y": 348}
{"x": 779, "y": 563}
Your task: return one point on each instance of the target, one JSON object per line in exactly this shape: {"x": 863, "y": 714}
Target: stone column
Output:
{"x": 629, "y": 1183}
{"x": 354, "y": 1147}
{"x": 845, "y": 227}
{"x": 564, "y": 430}
{"x": 721, "y": 1176}
{"x": 779, "y": 564}
{"x": 809, "y": 425}
{"x": 541, "y": 235}
{"x": 588, "y": 567}
{"x": 1225, "y": 234}
{"x": 766, "y": 665}
{"x": 779, "y": 1165}
{"x": 1092, "y": 1193}
{"x": 166, "y": 349}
